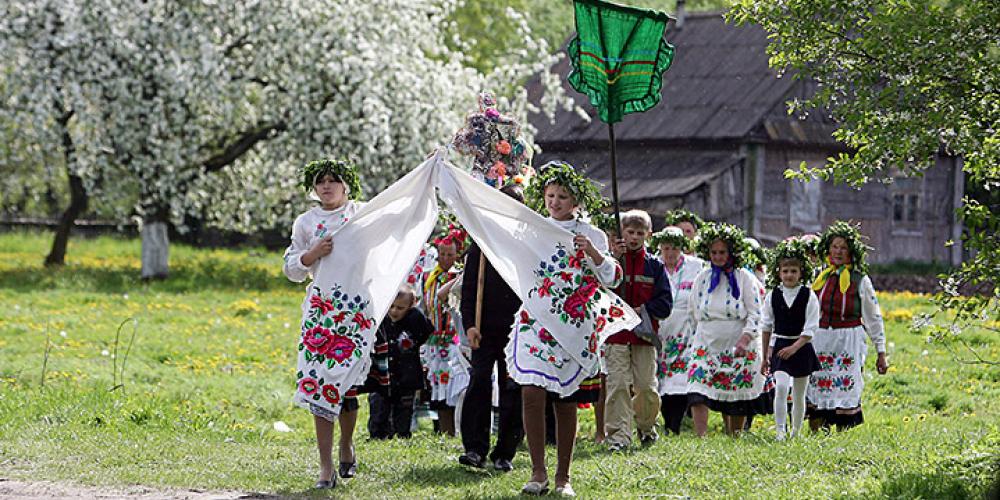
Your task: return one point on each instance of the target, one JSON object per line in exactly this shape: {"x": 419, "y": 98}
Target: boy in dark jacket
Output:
{"x": 631, "y": 354}
{"x": 403, "y": 331}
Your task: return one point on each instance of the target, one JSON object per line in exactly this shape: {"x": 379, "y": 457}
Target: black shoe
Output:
{"x": 472, "y": 459}
{"x": 648, "y": 439}
{"x": 348, "y": 469}
{"x": 503, "y": 465}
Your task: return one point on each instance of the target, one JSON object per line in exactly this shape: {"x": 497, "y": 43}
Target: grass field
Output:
{"x": 212, "y": 369}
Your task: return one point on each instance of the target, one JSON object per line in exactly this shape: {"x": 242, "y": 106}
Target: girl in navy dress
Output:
{"x": 790, "y": 319}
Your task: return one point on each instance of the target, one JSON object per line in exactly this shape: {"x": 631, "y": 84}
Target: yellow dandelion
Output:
{"x": 906, "y": 419}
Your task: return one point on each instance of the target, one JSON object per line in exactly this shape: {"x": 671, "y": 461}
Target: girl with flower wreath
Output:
{"x": 791, "y": 312}
{"x": 676, "y": 330}
{"x": 546, "y": 371}
{"x": 724, "y": 372}
{"x": 442, "y": 346}
{"x": 849, "y": 312}
{"x": 335, "y": 185}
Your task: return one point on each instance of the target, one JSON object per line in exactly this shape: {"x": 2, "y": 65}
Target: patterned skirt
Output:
{"x": 838, "y": 383}
{"x": 539, "y": 360}
{"x": 715, "y": 371}
{"x": 672, "y": 361}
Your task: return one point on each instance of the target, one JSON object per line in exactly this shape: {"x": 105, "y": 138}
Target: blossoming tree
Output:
{"x": 205, "y": 110}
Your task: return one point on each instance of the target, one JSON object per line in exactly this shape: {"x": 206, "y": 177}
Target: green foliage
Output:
{"x": 673, "y": 237}
{"x": 678, "y": 215}
{"x": 905, "y": 79}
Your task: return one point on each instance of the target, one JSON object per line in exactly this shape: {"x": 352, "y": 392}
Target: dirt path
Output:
{"x": 10, "y": 489}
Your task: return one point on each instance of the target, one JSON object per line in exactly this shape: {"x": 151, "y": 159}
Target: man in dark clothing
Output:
{"x": 499, "y": 305}
{"x": 404, "y": 330}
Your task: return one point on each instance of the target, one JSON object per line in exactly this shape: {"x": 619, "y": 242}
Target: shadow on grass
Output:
{"x": 931, "y": 485}
{"x": 446, "y": 474}
{"x": 187, "y": 278}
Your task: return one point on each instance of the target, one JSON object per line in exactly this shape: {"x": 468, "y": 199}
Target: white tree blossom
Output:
{"x": 206, "y": 109}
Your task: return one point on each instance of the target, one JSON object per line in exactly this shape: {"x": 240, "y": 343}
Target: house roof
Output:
{"x": 719, "y": 87}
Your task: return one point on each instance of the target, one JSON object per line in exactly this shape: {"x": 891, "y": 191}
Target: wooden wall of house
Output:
{"x": 908, "y": 219}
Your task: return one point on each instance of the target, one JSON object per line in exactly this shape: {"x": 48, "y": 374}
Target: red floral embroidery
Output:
{"x": 308, "y": 386}
{"x": 340, "y": 349}
{"x": 362, "y": 321}
{"x": 576, "y": 306}
{"x": 616, "y": 312}
{"x": 324, "y": 306}
{"x": 331, "y": 394}
{"x": 316, "y": 339}
{"x": 545, "y": 336}
{"x": 546, "y": 289}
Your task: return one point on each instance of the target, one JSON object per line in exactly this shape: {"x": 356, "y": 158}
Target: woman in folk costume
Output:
{"x": 335, "y": 185}
{"x": 548, "y": 370}
{"x": 675, "y": 331}
{"x": 725, "y": 354}
{"x": 442, "y": 346}
{"x": 848, "y": 312}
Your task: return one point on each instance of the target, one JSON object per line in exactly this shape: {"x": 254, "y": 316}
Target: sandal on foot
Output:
{"x": 565, "y": 490}
{"x": 536, "y": 487}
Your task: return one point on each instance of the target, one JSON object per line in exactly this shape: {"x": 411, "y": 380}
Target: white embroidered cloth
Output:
{"x": 565, "y": 305}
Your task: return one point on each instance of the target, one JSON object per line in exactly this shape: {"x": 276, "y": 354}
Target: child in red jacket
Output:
{"x": 631, "y": 354}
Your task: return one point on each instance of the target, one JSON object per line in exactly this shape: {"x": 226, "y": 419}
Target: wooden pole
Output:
{"x": 479, "y": 290}
{"x": 614, "y": 179}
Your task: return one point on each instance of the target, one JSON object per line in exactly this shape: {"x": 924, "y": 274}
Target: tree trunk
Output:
{"x": 155, "y": 247}
{"x": 78, "y": 199}
{"x": 77, "y": 205}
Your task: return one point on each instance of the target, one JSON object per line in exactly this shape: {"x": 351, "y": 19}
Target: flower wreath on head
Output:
{"x": 678, "y": 215}
{"x": 757, "y": 256}
{"x": 732, "y": 236}
{"x": 585, "y": 192}
{"x": 853, "y": 237}
{"x": 672, "y": 235}
{"x": 455, "y": 235}
{"x": 342, "y": 169}
{"x": 791, "y": 248}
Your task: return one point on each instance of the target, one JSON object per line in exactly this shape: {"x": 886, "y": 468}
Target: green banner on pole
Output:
{"x": 619, "y": 56}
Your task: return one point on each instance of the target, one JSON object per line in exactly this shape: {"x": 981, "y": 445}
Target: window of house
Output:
{"x": 906, "y": 207}
{"x": 805, "y": 201}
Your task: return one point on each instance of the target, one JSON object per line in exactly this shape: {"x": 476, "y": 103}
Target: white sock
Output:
{"x": 781, "y": 385}
{"x": 799, "y": 385}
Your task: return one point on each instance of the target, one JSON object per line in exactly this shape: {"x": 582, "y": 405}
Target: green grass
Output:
{"x": 212, "y": 369}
